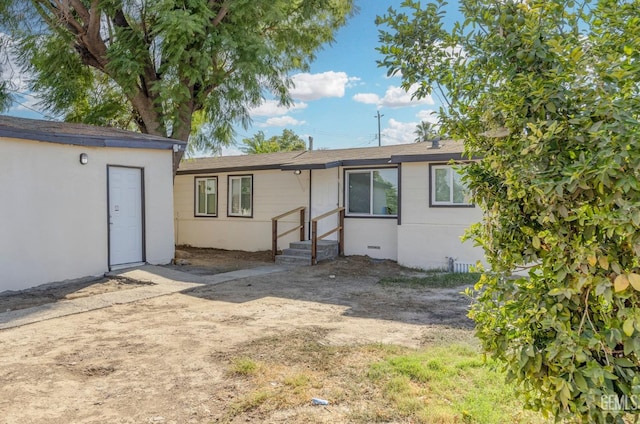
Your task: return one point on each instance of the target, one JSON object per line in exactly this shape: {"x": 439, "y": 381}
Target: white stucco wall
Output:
{"x": 372, "y": 237}
{"x": 425, "y": 238}
{"x": 54, "y": 210}
{"x": 428, "y": 235}
{"x": 274, "y": 192}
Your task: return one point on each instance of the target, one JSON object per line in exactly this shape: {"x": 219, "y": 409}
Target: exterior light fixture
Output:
{"x": 297, "y": 172}
{"x": 84, "y": 158}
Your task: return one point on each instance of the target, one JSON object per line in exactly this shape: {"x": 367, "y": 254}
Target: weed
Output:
{"x": 244, "y": 366}
{"x": 251, "y": 401}
{"x": 433, "y": 280}
{"x": 446, "y": 384}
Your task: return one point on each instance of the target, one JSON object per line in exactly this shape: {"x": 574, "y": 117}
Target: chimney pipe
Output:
{"x": 310, "y": 143}
{"x": 435, "y": 143}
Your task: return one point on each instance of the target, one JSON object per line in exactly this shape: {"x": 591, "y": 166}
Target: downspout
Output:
{"x": 399, "y": 194}
{"x": 310, "y": 203}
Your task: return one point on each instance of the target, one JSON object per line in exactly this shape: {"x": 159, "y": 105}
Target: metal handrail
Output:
{"x": 274, "y": 229}
{"x": 315, "y": 237}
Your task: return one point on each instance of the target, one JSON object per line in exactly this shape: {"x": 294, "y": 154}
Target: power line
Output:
{"x": 24, "y": 105}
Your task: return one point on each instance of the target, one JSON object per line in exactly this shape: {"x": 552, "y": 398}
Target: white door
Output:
{"x": 325, "y": 191}
{"x": 125, "y": 215}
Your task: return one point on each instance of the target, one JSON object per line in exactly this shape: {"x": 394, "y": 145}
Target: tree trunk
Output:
{"x": 150, "y": 120}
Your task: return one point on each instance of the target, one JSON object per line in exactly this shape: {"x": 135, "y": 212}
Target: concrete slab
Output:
{"x": 164, "y": 281}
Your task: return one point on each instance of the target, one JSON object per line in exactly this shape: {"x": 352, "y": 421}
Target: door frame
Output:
{"x": 142, "y": 215}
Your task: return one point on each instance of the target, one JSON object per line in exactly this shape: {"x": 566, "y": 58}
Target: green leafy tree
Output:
{"x": 424, "y": 132}
{"x": 547, "y": 93}
{"x": 167, "y": 67}
{"x": 6, "y": 97}
{"x": 288, "y": 141}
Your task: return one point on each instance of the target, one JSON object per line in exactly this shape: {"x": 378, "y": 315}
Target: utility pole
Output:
{"x": 379, "y": 116}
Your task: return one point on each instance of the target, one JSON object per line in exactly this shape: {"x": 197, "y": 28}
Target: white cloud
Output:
{"x": 229, "y": 151}
{"x": 354, "y": 81}
{"x": 367, "y": 98}
{"x": 272, "y": 108}
{"x": 398, "y": 97}
{"x": 281, "y": 121}
{"x": 317, "y": 86}
{"x": 428, "y": 115}
{"x": 399, "y": 132}
{"x": 394, "y": 97}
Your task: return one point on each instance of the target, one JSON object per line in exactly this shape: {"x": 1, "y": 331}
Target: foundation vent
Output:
{"x": 461, "y": 268}
{"x": 458, "y": 267}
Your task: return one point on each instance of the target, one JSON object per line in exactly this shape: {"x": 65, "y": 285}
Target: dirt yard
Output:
{"x": 179, "y": 358}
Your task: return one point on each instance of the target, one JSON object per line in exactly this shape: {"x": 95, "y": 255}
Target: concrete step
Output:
{"x": 297, "y": 252}
{"x": 293, "y": 260}
{"x": 306, "y": 244}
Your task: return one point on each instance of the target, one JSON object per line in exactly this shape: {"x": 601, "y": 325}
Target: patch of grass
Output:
{"x": 446, "y": 384}
{"x": 244, "y": 366}
{"x": 300, "y": 384}
{"x": 252, "y": 401}
{"x": 433, "y": 280}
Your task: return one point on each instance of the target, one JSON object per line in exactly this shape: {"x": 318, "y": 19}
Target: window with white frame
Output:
{"x": 372, "y": 192}
{"x": 240, "y": 195}
{"x": 207, "y": 196}
{"x": 447, "y": 188}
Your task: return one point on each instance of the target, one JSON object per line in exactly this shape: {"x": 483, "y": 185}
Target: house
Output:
{"x": 402, "y": 202}
{"x": 78, "y": 200}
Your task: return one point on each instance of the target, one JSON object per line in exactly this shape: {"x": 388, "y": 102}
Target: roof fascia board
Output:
{"x": 366, "y": 162}
{"x": 429, "y": 157}
{"x": 90, "y": 140}
{"x": 293, "y": 167}
{"x": 229, "y": 169}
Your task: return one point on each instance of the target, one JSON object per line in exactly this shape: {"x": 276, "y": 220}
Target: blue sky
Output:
{"x": 336, "y": 102}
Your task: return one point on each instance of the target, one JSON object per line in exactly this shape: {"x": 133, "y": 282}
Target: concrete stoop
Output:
{"x": 299, "y": 252}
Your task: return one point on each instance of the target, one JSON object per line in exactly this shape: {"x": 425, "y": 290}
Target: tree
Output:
{"x": 288, "y": 141}
{"x": 164, "y": 65}
{"x": 424, "y": 132}
{"x": 6, "y": 97}
{"x": 546, "y": 92}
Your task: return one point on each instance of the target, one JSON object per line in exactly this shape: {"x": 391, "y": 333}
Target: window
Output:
{"x": 372, "y": 192}
{"x": 447, "y": 188}
{"x": 207, "y": 196}
{"x": 240, "y": 195}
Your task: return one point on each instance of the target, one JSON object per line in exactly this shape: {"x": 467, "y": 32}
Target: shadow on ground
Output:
{"x": 352, "y": 282}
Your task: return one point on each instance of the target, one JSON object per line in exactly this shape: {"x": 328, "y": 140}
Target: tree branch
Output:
{"x": 79, "y": 8}
{"x": 224, "y": 9}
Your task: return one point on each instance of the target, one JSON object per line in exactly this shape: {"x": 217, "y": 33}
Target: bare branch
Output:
{"x": 224, "y": 9}
{"x": 93, "y": 30}
{"x": 78, "y": 7}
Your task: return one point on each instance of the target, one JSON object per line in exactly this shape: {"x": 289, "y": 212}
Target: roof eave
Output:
{"x": 428, "y": 157}
{"x": 228, "y": 169}
{"x": 91, "y": 140}
{"x": 294, "y": 166}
